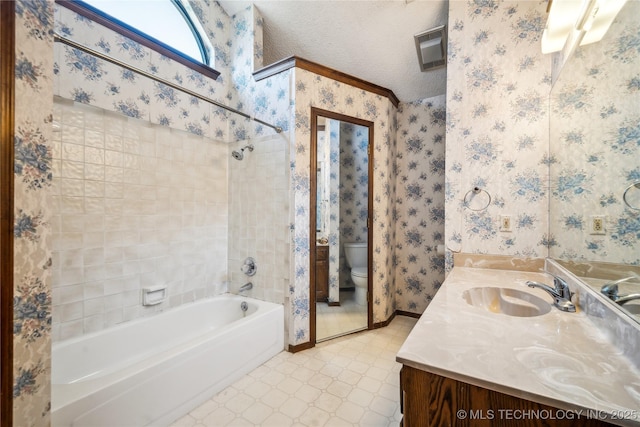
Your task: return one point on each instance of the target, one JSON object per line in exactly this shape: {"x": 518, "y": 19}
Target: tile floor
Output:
{"x": 348, "y": 381}
{"x": 337, "y": 320}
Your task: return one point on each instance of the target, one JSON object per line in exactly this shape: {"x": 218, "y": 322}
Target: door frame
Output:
{"x": 7, "y": 124}
{"x": 315, "y": 113}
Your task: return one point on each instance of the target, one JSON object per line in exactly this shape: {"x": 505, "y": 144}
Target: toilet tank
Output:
{"x": 356, "y": 254}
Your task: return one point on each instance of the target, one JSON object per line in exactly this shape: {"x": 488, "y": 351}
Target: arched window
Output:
{"x": 169, "y": 27}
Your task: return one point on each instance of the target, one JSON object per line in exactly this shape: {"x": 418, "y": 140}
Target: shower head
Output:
{"x": 239, "y": 155}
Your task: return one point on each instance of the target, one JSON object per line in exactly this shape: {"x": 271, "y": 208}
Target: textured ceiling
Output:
{"x": 372, "y": 40}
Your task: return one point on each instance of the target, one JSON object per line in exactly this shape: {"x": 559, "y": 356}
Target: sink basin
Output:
{"x": 512, "y": 302}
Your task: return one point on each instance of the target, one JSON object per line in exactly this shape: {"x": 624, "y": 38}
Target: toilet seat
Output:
{"x": 359, "y": 272}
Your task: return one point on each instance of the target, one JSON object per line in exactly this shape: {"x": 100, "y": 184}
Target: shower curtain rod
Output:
{"x": 64, "y": 40}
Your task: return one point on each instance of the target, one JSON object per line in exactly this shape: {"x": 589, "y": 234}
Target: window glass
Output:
{"x": 162, "y": 20}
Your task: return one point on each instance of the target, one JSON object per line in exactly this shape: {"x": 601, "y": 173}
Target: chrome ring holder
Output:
{"x": 471, "y": 194}
{"x": 635, "y": 185}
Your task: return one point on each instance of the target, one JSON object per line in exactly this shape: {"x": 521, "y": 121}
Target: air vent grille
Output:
{"x": 431, "y": 46}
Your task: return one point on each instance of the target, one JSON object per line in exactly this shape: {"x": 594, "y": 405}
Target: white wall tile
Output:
{"x": 119, "y": 229}
{"x": 253, "y": 222}
{"x": 94, "y": 138}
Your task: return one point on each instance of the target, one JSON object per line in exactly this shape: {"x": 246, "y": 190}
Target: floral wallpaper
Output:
{"x": 314, "y": 90}
{"x": 497, "y": 128}
{"x": 32, "y": 244}
{"x": 595, "y": 147}
{"x": 269, "y": 99}
{"x": 419, "y": 210}
{"x": 237, "y": 52}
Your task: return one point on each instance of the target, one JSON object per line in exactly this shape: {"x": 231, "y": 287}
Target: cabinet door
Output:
{"x": 322, "y": 273}
{"x": 430, "y": 400}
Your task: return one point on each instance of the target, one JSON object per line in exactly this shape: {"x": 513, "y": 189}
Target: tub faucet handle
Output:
{"x": 249, "y": 267}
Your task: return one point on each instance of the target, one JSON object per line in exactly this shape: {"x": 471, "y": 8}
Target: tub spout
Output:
{"x": 246, "y": 287}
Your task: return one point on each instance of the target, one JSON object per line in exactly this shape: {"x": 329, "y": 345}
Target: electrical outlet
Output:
{"x": 597, "y": 224}
{"x": 505, "y": 223}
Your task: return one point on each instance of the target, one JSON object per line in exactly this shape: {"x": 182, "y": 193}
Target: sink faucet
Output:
{"x": 611, "y": 290}
{"x": 626, "y": 298}
{"x": 560, "y": 292}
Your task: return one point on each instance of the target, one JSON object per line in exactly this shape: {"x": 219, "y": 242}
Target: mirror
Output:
{"x": 323, "y": 182}
{"x": 340, "y": 209}
{"x": 595, "y": 157}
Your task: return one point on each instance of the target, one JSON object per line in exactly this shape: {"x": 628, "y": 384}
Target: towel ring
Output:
{"x": 624, "y": 195}
{"x": 471, "y": 194}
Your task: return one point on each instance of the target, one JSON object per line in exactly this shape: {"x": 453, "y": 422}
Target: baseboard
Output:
{"x": 308, "y": 345}
{"x": 333, "y": 303}
{"x": 299, "y": 347}
{"x": 385, "y": 322}
{"x": 408, "y": 314}
{"x": 396, "y": 313}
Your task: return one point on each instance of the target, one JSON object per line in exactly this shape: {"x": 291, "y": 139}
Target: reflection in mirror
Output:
{"x": 595, "y": 157}
{"x": 323, "y": 183}
{"x": 342, "y": 189}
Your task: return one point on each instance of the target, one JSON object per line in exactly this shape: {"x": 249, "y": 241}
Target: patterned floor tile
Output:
{"x": 348, "y": 381}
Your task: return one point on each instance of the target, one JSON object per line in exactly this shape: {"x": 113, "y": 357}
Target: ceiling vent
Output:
{"x": 432, "y": 48}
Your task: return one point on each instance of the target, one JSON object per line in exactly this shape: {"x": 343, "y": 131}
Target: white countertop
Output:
{"x": 558, "y": 359}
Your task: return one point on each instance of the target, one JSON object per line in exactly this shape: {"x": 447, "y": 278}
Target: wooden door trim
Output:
{"x": 7, "y": 124}
{"x": 315, "y": 112}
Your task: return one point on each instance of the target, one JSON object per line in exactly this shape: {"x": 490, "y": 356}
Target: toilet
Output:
{"x": 356, "y": 255}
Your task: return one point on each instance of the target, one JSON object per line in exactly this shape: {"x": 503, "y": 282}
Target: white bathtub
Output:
{"x": 153, "y": 370}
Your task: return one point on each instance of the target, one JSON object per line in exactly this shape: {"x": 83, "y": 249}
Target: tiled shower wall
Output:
{"x": 259, "y": 217}
{"x": 134, "y": 205}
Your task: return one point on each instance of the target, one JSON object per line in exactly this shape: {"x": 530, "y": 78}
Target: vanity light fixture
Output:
{"x": 431, "y": 46}
{"x": 590, "y": 19}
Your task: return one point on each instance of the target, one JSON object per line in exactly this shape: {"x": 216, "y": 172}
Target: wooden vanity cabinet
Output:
{"x": 428, "y": 399}
{"x": 322, "y": 273}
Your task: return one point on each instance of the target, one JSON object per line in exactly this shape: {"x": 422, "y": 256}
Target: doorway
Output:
{"x": 341, "y": 211}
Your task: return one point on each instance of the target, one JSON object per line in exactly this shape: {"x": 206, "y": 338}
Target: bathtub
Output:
{"x": 153, "y": 370}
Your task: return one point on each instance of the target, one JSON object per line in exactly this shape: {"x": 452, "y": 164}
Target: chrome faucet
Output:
{"x": 626, "y": 298}
{"x": 611, "y": 290}
{"x": 560, "y": 292}
{"x": 246, "y": 287}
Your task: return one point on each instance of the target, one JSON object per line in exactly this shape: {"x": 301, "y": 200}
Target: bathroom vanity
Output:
{"x": 435, "y": 400}
{"x": 486, "y": 352}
